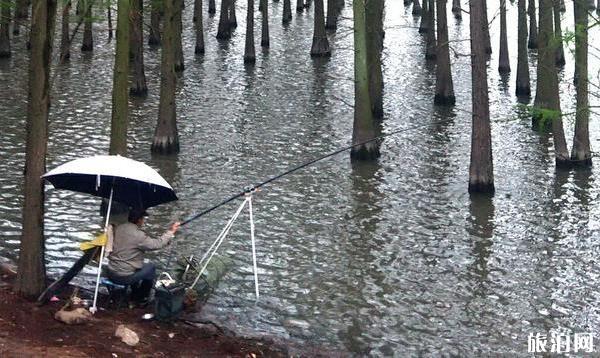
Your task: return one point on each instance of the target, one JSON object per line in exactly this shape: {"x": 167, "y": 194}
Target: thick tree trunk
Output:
{"x": 154, "y": 35}
{"x": 481, "y": 169}
{"x": 224, "y": 30}
{"x": 179, "y": 60}
{"x": 503, "y": 61}
{"x": 523, "y": 87}
{"x": 424, "y": 25}
{"x": 138, "y": 84}
{"x": 166, "y": 139}
{"x": 21, "y": 14}
{"x": 120, "y": 93}
{"x": 456, "y": 9}
{"x": 320, "y": 43}
{"x": 430, "y": 50}
{"x": 486, "y": 29}
{"x": 199, "y": 48}
{"x": 416, "y": 11}
{"x": 374, "y": 18}
{"x": 533, "y": 31}
{"x": 4, "y": 29}
{"x": 88, "y": 38}
{"x": 212, "y": 7}
{"x": 581, "y": 154}
{"x": 65, "y": 43}
{"x": 264, "y": 36}
{"x": 560, "y": 54}
{"x": 364, "y": 125}
{"x": 287, "y": 12}
{"x": 444, "y": 88}
{"x": 31, "y": 273}
{"x": 547, "y": 101}
{"x": 299, "y": 5}
{"x": 249, "y": 50}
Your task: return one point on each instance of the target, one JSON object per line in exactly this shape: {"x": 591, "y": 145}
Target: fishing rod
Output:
{"x": 304, "y": 165}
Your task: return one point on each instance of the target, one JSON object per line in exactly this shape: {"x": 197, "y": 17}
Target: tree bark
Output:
{"x": 364, "y": 126}
{"x": 533, "y": 31}
{"x": 503, "y": 61}
{"x": 232, "y": 16}
{"x": 547, "y": 101}
{"x": 416, "y": 10}
{"x": 444, "y": 88}
{"x": 120, "y": 93}
{"x": 199, "y": 48}
{"x": 179, "y": 60}
{"x": 332, "y": 14}
{"x": 374, "y": 17}
{"x": 4, "y": 29}
{"x": 154, "y": 34}
{"x": 424, "y": 25}
{"x": 456, "y": 9}
{"x": 138, "y": 85}
{"x": 287, "y": 12}
{"x": 31, "y": 273}
{"x": 320, "y": 43}
{"x": 166, "y": 139}
{"x": 264, "y": 36}
{"x": 21, "y": 14}
{"x": 581, "y": 154}
{"x": 486, "y": 29}
{"x": 65, "y": 43}
{"x": 224, "y": 30}
{"x": 88, "y": 38}
{"x": 523, "y": 87}
{"x": 249, "y": 49}
{"x": 481, "y": 169}
{"x": 560, "y": 54}
{"x": 431, "y": 46}
{"x": 109, "y": 19}
{"x": 299, "y": 5}
{"x": 212, "y": 7}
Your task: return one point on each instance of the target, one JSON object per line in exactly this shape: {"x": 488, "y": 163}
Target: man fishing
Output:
{"x": 126, "y": 261}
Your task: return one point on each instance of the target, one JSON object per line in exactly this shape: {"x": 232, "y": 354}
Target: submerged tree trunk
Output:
{"x": 416, "y": 11}
{"x": 320, "y": 43}
{"x": 232, "y": 17}
{"x": 4, "y": 29}
{"x": 560, "y": 54}
{"x": 424, "y": 25}
{"x": 166, "y": 139}
{"x": 109, "y": 19}
{"x": 264, "y": 36}
{"x": 249, "y": 50}
{"x": 199, "y": 48}
{"x": 444, "y": 88}
{"x": 533, "y": 31}
{"x": 179, "y": 60}
{"x": 364, "y": 126}
{"x": 581, "y": 154}
{"x": 504, "y": 61}
{"x": 224, "y": 29}
{"x": 21, "y": 14}
{"x": 120, "y": 93}
{"x": 486, "y": 29}
{"x": 456, "y": 9}
{"x": 332, "y": 14}
{"x": 31, "y": 273}
{"x": 481, "y": 169}
{"x": 523, "y": 87}
{"x": 374, "y": 22}
{"x": 138, "y": 84}
{"x": 154, "y": 34}
{"x": 65, "y": 43}
{"x": 547, "y": 101}
{"x": 88, "y": 38}
{"x": 287, "y": 12}
{"x": 299, "y": 5}
{"x": 430, "y": 50}
{"x": 212, "y": 7}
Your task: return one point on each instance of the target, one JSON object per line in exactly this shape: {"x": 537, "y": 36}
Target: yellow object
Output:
{"x": 100, "y": 240}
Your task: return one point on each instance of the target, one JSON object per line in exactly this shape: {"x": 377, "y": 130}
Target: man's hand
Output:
{"x": 175, "y": 227}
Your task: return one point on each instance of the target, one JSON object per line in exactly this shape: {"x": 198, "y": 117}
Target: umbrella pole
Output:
{"x": 93, "y": 309}
{"x": 253, "y": 247}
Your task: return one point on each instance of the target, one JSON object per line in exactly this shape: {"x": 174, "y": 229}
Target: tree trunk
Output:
{"x": 481, "y": 169}
{"x": 560, "y": 54}
{"x": 416, "y": 11}
{"x": 264, "y": 38}
{"x": 444, "y": 88}
{"x": 287, "y": 12}
{"x": 120, "y": 93}
{"x": 430, "y": 50}
{"x": 547, "y": 101}
{"x": 179, "y": 60}
{"x": 88, "y": 39}
{"x": 199, "y": 48}
{"x": 456, "y": 9}
{"x": 154, "y": 35}
{"x": 364, "y": 126}
{"x": 212, "y": 7}
{"x": 224, "y": 30}
{"x": 591, "y": 4}
{"x": 249, "y": 50}
{"x": 166, "y": 139}
{"x": 332, "y": 14}
{"x": 581, "y": 155}
{"x": 523, "y": 81}
{"x": 374, "y": 18}
{"x": 320, "y": 43}
{"x": 232, "y": 16}
{"x": 21, "y": 14}
{"x": 65, "y": 43}
{"x": 533, "y": 31}
{"x": 486, "y": 29}
{"x": 138, "y": 85}
{"x": 563, "y": 8}
{"x": 31, "y": 273}
{"x": 4, "y": 29}
{"x": 109, "y": 18}
{"x": 307, "y": 4}
{"x": 503, "y": 61}
{"x": 299, "y": 5}
{"x": 424, "y": 25}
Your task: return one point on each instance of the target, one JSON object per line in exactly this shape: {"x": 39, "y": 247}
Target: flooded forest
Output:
{"x": 458, "y": 215}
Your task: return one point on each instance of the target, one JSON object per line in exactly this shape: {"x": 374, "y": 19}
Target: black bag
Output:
{"x": 169, "y": 302}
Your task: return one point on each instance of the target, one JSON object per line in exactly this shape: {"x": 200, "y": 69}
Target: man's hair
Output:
{"x": 135, "y": 215}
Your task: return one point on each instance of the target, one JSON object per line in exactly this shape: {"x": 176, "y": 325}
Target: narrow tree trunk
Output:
{"x": 287, "y": 12}
{"x": 481, "y": 169}
{"x": 591, "y": 4}
{"x": 88, "y": 39}
{"x": 307, "y": 4}
{"x": 430, "y": 50}
{"x": 320, "y": 43}
{"x": 224, "y": 30}
{"x": 31, "y": 273}
{"x": 120, "y": 93}
{"x": 109, "y": 18}
{"x": 249, "y": 50}
{"x": 533, "y": 31}
{"x": 65, "y": 43}
{"x": 523, "y": 81}
{"x": 504, "y": 61}
{"x": 563, "y": 8}
{"x": 560, "y": 54}
{"x": 364, "y": 126}
{"x": 547, "y": 101}
{"x": 581, "y": 154}
{"x": 4, "y": 29}
{"x": 424, "y": 25}
{"x": 374, "y": 18}
{"x": 21, "y": 14}
{"x": 154, "y": 35}
{"x": 299, "y": 5}
{"x": 264, "y": 38}
{"x": 199, "y": 48}
{"x": 212, "y": 7}
{"x": 486, "y": 29}
{"x": 232, "y": 16}
{"x": 416, "y": 11}
{"x": 166, "y": 139}
{"x": 444, "y": 88}
{"x": 138, "y": 85}
{"x": 456, "y": 9}
{"x": 332, "y": 13}
{"x": 179, "y": 60}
